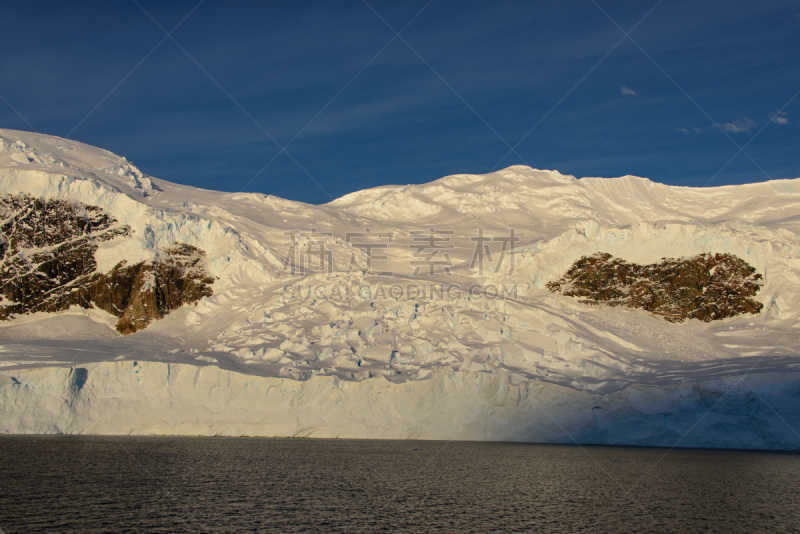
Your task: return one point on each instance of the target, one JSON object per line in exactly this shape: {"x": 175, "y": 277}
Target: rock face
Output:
{"x": 47, "y": 264}
{"x": 705, "y": 287}
{"x": 149, "y": 290}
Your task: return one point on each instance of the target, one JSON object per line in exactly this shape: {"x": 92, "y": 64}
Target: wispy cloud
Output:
{"x": 779, "y": 117}
{"x": 627, "y": 91}
{"x": 690, "y": 130}
{"x": 740, "y": 125}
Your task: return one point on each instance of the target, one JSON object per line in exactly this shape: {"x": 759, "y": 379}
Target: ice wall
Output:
{"x": 176, "y": 399}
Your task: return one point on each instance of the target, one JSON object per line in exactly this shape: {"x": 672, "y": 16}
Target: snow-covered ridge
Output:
{"x": 298, "y": 297}
{"x": 51, "y": 167}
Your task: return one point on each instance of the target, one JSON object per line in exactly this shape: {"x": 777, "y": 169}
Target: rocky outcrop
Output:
{"x": 705, "y": 287}
{"x": 47, "y": 264}
{"x": 149, "y": 290}
{"x": 47, "y": 252}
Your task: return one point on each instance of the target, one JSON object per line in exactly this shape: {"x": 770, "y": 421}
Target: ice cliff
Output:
{"x": 439, "y": 310}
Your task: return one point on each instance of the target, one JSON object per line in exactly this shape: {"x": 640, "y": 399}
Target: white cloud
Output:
{"x": 626, "y": 91}
{"x": 779, "y": 117}
{"x": 742, "y": 124}
{"x": 687, "y": 131}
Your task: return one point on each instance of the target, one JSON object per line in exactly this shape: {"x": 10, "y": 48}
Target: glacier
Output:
{"x": 125, "y": 398}
{"x": 377, "y": 343}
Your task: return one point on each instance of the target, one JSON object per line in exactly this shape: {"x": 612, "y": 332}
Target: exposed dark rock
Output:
{"x": 705, "y": 287}
{"x": 47, "y": 263}
{"x": 48, "y": 252}
{"x": 158, "y": 287}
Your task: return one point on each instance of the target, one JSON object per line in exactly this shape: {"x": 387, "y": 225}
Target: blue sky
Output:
{"x": 312, "y": 100}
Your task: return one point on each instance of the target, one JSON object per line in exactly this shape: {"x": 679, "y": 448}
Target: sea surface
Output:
{"x": 166, "y": 484}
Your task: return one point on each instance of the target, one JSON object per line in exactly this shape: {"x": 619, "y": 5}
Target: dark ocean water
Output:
{"x": 148, "y": 484}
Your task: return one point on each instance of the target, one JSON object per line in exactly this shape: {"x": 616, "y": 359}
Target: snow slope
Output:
{"x": 405, "y": 346}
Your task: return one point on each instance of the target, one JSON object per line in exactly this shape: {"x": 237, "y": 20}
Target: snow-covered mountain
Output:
{"x": 440, "y": 310}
